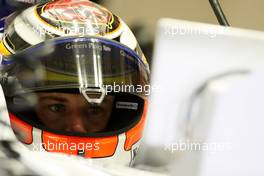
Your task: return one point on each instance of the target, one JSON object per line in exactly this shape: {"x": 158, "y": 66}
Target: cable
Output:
{"x": 219, "y": 13}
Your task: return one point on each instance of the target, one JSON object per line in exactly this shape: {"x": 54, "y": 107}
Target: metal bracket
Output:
{"x": 93, "y": 95}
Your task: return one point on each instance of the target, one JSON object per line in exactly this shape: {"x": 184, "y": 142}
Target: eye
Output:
{"x": 57, "y": 108}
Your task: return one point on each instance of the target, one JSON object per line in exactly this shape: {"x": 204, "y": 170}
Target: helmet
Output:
{"x": 77, "y": 83}
{"x": 82, "y": 96}
{"x": 65, "y": 18}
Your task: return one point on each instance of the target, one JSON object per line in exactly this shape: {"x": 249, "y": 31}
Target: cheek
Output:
{"x": 98, "y": 123}
{"x": 41, "y": 114}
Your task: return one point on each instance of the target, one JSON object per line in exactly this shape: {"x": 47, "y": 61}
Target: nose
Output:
{"x": 76, "y": 124}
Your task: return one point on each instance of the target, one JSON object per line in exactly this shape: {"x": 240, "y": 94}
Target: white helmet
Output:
{"x": 51, "y": 77}
{"x": 65, "y": 18}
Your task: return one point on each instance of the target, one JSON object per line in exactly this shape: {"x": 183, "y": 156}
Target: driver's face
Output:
{"x": 72, "y": 112}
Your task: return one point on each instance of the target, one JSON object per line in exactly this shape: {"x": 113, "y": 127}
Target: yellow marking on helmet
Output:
{"x": 52, "y": 76}
{"x": 3, "y": 50}
{"x": 144, "y": 59}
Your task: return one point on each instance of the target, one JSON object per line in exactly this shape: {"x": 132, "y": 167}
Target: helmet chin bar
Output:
{"x": 93, "y": 95}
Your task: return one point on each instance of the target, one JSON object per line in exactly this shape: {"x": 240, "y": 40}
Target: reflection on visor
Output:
{"x": 78, "y": 63}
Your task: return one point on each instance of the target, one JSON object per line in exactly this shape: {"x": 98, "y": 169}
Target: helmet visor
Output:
{"x": 79, "y": 63}
{"x": 48, "y": 79}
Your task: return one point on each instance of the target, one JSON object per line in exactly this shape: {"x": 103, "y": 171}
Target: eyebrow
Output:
{"x": 50, "y": 97}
